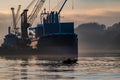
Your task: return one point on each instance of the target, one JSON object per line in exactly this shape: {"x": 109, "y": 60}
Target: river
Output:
{"x": 87, "y": 68}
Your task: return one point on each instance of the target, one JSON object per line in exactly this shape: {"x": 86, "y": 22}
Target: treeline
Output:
{"x": 98, "y": 36}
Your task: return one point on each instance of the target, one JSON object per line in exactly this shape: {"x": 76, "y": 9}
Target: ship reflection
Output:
{"x": 24, "y": 69}
{"x": 94, "y": 68}
{"x": 34, "y": 69}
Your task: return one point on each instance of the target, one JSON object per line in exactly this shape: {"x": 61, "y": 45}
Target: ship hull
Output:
{"x": 51, "y": 47}
{"x": 59, "y": 46}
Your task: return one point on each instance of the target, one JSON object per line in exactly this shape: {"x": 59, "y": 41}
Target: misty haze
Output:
{"x": 60, "y": 40}
{"x": 98, "y": 37}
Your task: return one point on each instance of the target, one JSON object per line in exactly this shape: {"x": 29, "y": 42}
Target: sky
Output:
{"x": 80, "y": 11}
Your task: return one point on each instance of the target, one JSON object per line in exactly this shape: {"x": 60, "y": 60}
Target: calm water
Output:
{"x": 87, "y": 68}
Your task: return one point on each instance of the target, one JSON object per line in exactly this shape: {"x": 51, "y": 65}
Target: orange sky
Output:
{"x": 84, "y": 10}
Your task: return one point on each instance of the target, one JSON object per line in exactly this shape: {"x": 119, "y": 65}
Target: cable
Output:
{"x": 72, "y": 4}
{"x": 30, "y": 4}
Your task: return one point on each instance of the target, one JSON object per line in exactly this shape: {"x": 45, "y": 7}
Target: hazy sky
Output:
{"x": 101, "y": 11}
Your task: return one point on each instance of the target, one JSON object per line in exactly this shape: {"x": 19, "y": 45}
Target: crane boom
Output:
{"x": 14, "y": 18}
{"x": 30, "y": 4}
{"x": 62, "y": 7}
{"x": 17, "y": 14}
{"x": 35, "y": 11}
{"x": 18, "y": 11}
{"x": 58, "y": 5}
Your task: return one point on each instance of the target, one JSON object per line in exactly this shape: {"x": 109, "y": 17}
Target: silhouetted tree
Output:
{"x": 97, "y": 36}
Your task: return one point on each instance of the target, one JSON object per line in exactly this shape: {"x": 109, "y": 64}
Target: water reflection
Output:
{"x": 87, "y": 68}
{"x": 24, "y": 69}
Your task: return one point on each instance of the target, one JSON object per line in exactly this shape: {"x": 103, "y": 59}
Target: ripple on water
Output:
{"x": 87, "y": 68}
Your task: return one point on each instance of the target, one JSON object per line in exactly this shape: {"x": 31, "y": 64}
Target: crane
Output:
{"x": 31, "y": 3}
{"x": 31, "y": 17}
{"x": 35, "y": 11}
{"x": 15, "y": 18}
{"x": 62, "y": 2}
{"x": 27, "y": 21}
{"x": 62, "y": 6}
{"x": 17, "y": 14}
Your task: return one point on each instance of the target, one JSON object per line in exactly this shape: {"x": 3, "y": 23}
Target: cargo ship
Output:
{"x": 52, "y": 39}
